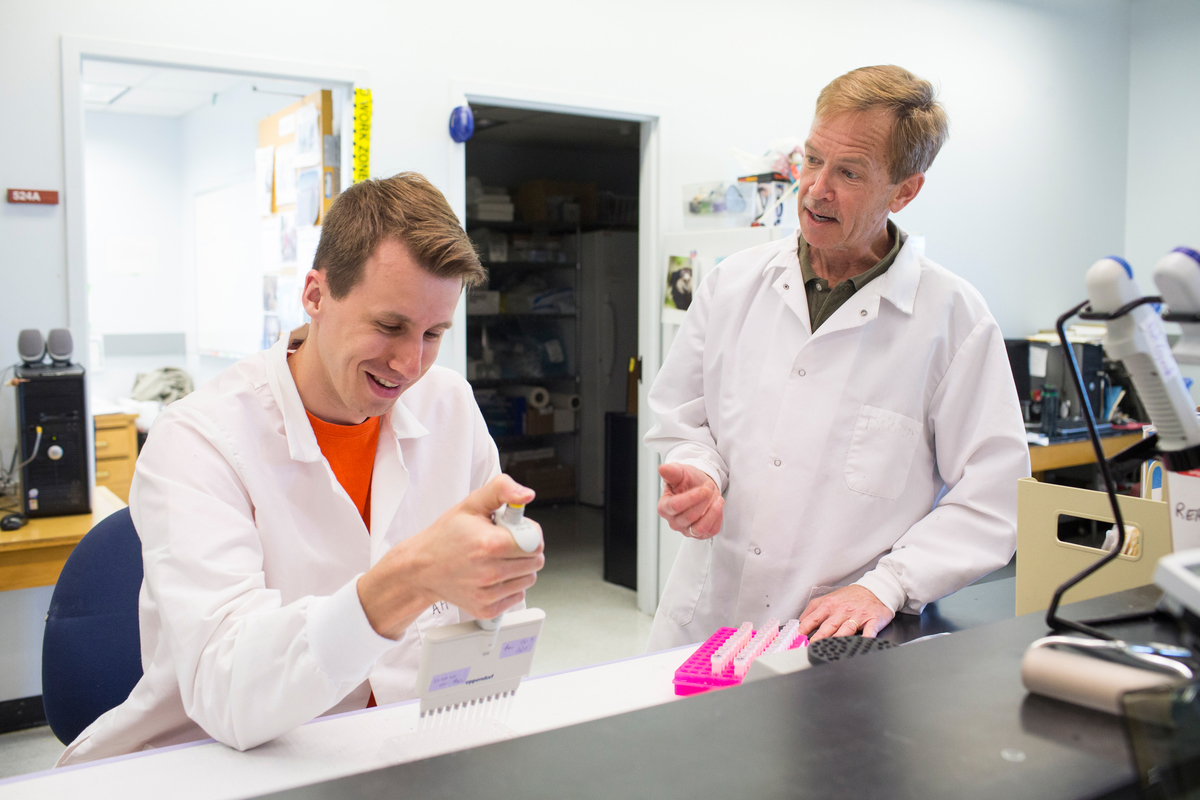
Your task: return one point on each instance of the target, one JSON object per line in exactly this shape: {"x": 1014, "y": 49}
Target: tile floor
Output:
{"x": 30, "y": 750}
{"x": 588, "y": 621}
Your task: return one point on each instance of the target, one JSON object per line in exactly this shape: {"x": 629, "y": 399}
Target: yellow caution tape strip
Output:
{"x": 362, "y": 134}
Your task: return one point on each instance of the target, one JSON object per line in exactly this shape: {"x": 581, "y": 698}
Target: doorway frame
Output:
{"x": 649, "y": 292}
{"x": 74, "y": 49}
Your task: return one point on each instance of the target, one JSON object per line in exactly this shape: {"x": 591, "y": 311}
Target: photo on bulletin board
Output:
{"x": 271, "y": 329}
{"x": 308, "y": 196}
{"x": 271, "y": 294}
{"x": 264, "y": 179}
{"x": 308, "y": 137}
{"x": 285, "y": 175}
{"x": 287, "y": 240}
{"x": 679, "y": 283}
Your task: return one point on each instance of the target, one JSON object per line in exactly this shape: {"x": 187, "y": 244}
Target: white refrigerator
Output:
{"x": 608, "y": 311}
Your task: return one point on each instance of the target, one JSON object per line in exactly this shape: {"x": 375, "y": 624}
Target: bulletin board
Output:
{"x": 297, "y": 177}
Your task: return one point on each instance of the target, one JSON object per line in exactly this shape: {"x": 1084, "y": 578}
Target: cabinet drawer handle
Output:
{"x": 103, "y": 474}
{"x": 100, "y": 443}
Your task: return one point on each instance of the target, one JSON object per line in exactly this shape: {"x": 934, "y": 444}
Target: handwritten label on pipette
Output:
{"x": 449, "y": 679}
{"x": 518, "y": 647}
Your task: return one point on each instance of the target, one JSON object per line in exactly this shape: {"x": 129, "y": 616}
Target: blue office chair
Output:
{"x": 91, "y": 650}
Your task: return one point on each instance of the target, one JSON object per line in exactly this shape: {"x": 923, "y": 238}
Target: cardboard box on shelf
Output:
{"x": 539, "y": 421}
{"x": 564, "y": 420}
{"x": 533, "y": 196}
{"x": 551, "y": 481}
{"x": 483, "y": 301}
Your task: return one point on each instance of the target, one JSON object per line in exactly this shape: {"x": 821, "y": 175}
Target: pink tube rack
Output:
{"x": 695, "y": 674}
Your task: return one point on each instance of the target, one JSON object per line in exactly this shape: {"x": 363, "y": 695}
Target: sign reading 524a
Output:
{"x": 43, "y": 197}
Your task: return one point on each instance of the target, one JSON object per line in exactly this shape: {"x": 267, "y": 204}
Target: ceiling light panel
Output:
{"x": 115, "y": 72}
{"x": 102, "y": 93}
{"x": 191, "y": 80}
{"x": 159, "y": 102}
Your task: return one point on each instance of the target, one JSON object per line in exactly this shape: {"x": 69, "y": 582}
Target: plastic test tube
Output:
{"x": 787, "y": 637}
{"x": 765, "y": 635}
{"x": 731, "y": 647}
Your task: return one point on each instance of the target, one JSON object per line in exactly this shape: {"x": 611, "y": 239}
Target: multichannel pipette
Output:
{"x": 484, "y": 660}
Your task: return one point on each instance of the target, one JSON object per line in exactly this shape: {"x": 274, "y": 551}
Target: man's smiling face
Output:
{"x": 383, "y": 336}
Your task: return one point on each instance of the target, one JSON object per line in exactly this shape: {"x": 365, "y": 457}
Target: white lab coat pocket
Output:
{"x": 687, "y": 579}
{"x": 881, "y": 452}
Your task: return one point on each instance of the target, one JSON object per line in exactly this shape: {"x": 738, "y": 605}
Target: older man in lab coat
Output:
{"x": 306, "y": 516}
{"x": 837, "y": 417}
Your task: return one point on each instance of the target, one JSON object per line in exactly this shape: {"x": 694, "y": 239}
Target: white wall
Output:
{"x": 134, "y": 184}
{"x": 1029, "y": 189}
{"x": 1164, "y": 133}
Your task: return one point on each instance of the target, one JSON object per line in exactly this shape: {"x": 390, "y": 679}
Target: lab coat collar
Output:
{"x": 898, "y": 285}
{"x": 302, "y": 442}
{"x": 784, "y": 257}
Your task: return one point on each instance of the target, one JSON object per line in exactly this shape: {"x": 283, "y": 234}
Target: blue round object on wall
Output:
{"x": 462, "y": 124}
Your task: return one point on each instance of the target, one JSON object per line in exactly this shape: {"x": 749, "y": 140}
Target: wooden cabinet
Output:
{"x": 116, "y": 452}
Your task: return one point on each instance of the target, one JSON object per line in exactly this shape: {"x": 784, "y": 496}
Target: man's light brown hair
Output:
{"x": 404, "y": 207}
{"x": 920, "y": 124}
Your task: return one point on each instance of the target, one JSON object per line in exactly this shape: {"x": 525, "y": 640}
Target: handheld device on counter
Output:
{"x": 484, "y": 660}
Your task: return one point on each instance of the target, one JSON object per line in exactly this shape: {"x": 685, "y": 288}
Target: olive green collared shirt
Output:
{"x": 822, "y": 300}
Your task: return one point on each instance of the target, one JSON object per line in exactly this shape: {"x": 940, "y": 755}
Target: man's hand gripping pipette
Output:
{"x": 463, "y": 558}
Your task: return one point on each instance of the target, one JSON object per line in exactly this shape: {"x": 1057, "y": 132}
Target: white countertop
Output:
{"x": 360, "y": 741}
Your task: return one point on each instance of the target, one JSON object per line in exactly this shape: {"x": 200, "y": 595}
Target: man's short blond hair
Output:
{"x": 405, "y": 207}
{"x": 920, "y": 123}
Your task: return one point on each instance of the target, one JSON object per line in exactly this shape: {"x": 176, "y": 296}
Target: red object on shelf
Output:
{"x": 695, "y": 675}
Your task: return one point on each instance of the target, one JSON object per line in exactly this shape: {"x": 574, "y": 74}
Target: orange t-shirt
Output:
{"x": 350, "y": 451}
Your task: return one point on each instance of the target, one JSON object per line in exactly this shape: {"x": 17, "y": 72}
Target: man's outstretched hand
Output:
{"x": 691, "y": 503}
{"x": 845, "y": 612}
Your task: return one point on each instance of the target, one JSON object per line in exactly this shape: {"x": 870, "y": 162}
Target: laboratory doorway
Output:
{"x": 203, "y": 195}
{"x": 552, "y": 207}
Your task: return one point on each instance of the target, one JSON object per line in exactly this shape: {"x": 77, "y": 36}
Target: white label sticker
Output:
{"x": 448, "y": 680}
{"x": 1037, "y": 361}
{"x": 287, "y": 125}
{"x": 1184, "y": 490}
{"x": 518, "y": 647}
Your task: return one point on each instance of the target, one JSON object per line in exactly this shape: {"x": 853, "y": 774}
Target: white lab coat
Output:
{"x": 249, "y": 611}
{"x": 833, "y": 448}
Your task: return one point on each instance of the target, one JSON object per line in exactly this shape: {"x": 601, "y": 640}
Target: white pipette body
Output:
{"x": 1177, "y": 276}
{"x": 1139, "y": 341}
{"x": 524, "y": 533}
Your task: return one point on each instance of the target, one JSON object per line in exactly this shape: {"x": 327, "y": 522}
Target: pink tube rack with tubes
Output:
{"x": 697, "y": 674}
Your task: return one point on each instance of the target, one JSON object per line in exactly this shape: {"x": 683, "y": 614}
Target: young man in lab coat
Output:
{"x": 837, "y": 416}
{"x": 309, "y": 514}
